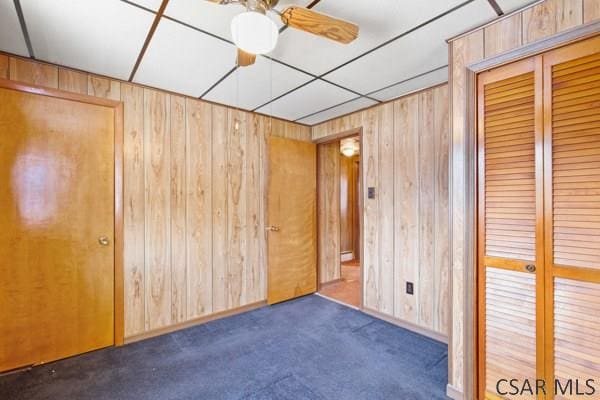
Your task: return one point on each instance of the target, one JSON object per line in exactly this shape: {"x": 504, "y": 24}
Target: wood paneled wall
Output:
{"x": 537, "y": 22}
{"x": 405, "y": 233}
{"x": 328, "y": 209}
{"x": 348, "y": 200}
{"x": 193, "y": 194}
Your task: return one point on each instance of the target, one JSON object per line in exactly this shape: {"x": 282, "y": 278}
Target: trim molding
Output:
{"x": 194, "y": 322}
{"x": 454, "y": 393}
{"x": 406, "y": 325}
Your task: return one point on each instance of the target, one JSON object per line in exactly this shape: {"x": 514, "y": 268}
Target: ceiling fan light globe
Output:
{"x": 254, "y": 33}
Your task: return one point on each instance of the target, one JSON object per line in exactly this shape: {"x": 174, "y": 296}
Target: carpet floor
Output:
{"x": 306, "y": 349}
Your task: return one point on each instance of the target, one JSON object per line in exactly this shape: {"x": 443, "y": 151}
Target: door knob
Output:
{"x": 530, "y": 268}
{"x": 103, "y": 240}
{"x": 272, "y": 228}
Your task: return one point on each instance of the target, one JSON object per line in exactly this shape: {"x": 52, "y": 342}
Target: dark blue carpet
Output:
{"x": 306, "y": 349}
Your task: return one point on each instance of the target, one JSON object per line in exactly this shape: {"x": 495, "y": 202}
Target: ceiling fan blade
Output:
{"x": 244, "y": 59}
{"x": 320, "y": 24}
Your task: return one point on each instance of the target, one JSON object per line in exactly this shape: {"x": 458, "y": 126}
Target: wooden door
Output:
{"x": 57, "y": 202}
{"x": 510, "y": 227}
{"x": 291, "y": 219}
{"x": 572, "y": 216}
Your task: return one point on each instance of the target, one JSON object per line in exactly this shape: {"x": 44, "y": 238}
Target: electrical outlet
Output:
{"x": 409, "y": 288}
{"x": 371, "y": 193}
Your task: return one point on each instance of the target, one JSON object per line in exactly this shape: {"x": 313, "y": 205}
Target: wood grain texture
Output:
{"x": 406, "y": 199}
{"x": 178, "y": 160}
{"x": 57, "y": 173}
{"x": 591, "y": 10}
{"x": 538, "y": 22}
{"x": 292, "y": 248}
{"x": 504, "y": 35}
{"x": 158, "y": 210}
{"x": 319, "y": 24}
{"x": 134, "y": 210}
{"x": 347, "y": 203}
{"x": 386, "y": 210}
{"x": 33, "y": 73}
{"x": 199, "y": 218}
{"x": 72, "y": 81}
{"x": 4, "y": 66}
{"x": 104, "y": 87}
{"x": 169, "y": 165}
{"x": 329, "y": 211}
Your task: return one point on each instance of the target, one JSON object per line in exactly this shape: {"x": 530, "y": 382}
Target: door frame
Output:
{"x": 117, "y": 106}
{"x": 470, "y": 262}
{"x": 361, "y": 223}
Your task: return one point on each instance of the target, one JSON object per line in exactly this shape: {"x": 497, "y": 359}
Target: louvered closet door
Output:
{"x": 509, "y": 235}
{"x": 572, "y": 205}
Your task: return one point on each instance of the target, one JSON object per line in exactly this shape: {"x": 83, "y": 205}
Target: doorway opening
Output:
{"x": 339, "y": 220}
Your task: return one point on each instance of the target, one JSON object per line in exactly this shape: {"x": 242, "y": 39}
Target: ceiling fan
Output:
{"x": 254, "y": 33}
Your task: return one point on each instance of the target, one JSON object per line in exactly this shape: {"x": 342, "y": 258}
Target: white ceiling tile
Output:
{"x": 337, "y": 111}
{"x": 424, "y": 81}
{"x": 378, "y": 21}
{"x": 11, "y": 36}
{"x": 184, "y": 60}
{"x": 104, "y": 37}
{"x": 255, "y": 85}
{"x": 215, "y": 18}
{"x": 310, "y": 98}
{"x": 420, "y": 51}
{"x": 512, "y": 5}
{"x": 153, "y": 5}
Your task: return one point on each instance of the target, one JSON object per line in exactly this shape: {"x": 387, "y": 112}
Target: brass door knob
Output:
{"x": 103, "y": 240}
{"x": 530, "y": 268}
{"x": 272, "y": 228}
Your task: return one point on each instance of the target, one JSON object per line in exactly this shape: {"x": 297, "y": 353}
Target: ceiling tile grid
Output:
{"x": 336, "y": 111}
{"x": 184, "y": 60}
{"x": 249, "y": 88}
{"x": 11, "y": 35}
{"x": 401, "y": 48}
{"x": 315, "y": 96}
{"x": 102, "y": 37}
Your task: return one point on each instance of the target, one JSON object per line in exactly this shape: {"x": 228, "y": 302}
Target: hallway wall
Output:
{"x": 405, "y": 234}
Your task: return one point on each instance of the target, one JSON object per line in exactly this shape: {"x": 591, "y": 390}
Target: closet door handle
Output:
{"x": 530, "y": 268}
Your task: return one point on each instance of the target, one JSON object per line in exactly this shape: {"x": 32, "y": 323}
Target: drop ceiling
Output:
{"x": 401, "y": 48}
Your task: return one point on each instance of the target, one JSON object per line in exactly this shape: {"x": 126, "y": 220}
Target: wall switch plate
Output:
{"x": 371, "y": 193}
{"x": 410, "y": 288}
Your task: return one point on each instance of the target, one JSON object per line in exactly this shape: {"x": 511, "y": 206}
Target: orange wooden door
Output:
{"x": 510, "y": 228}
{"x": 291, "y": 219}
{"x": 57, "y": 201}
{"x": 572, "y": 216}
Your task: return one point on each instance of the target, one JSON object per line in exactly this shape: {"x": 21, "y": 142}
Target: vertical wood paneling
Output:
{"x": 441, "y": 295}
{"x": 406, "y": 187}
{"x": 386, "y": 209}
{"x": 158, "y": 233}
{"x": 168, "y": 197}
{"x": 426, "y": 204}
{"x": 236, "y": 207}
{"x": 103, "y": 87}
{"x": 178, "y": 210}
{"x": 33, "y": 72}
{"x": 465, "y": 50}
{"x": 72, "y": 81}
{"x": 134, "y": 208}
{"x": 504, "y": 35}
{"x": 591, "y": 10}
{"x": 550, "y": 17}
{"x": 370, "y": 158}
{"x": 199, "y": 208}
{"x": 3, "y": 66}
{"x": 329, "y": 212}
{"x": 220, "y": 235}
{"x": 253, "y": 275}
